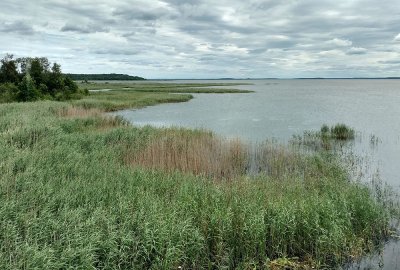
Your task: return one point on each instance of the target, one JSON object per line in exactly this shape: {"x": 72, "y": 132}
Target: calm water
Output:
{"x": 280, "y": 108}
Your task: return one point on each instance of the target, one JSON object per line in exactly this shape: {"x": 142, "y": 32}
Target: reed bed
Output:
{"x": 199, "y": 154}
{"x": 78, "y": 112}
{"x": 70, "y": 198}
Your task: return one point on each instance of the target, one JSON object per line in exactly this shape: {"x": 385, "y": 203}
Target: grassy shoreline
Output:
{"x": 79, "y": 189}
{"x": 138, "y": 95}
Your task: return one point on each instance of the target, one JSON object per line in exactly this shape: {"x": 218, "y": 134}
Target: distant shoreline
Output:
{"x": 248, "y": 79}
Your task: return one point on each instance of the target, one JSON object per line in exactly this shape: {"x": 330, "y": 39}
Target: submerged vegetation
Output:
{"x": 328, "y": 138}
{"x": 80, "y": 189}
{"x": 337, "y": 132}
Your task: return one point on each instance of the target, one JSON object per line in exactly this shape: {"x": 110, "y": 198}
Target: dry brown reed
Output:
{"x": 91, "y": 117}
{"x": 208, "y": 155}
{"x": 195, "y": 153}
{"x": 78, "y": 112}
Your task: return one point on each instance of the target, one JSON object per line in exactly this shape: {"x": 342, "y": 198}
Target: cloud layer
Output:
{"x": 205, "y": 39}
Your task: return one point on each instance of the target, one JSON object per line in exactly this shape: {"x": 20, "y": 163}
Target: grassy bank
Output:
{"x": 217, "y": 88}
{"x": 123, "y": 95}
{"x": 81, "y": 190}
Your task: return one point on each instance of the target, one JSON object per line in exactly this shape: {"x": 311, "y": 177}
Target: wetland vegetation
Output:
{"x": 81, "y": 189}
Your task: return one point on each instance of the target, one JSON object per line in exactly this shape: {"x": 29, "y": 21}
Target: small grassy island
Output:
{"x": 83, "y": 190}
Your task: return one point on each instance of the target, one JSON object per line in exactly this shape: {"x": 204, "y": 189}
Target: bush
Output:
{"x": 324, "y": 129}
{"x": 8, "y": 92}
{"x": 342, "y": 132}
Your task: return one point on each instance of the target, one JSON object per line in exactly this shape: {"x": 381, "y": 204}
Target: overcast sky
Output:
{"x": 206, "y": 38}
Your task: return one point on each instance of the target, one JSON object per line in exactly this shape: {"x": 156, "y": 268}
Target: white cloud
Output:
{"x": 357, "y": 50}
{"x": 340, "y": 42}
{"x": 397, "y": 38}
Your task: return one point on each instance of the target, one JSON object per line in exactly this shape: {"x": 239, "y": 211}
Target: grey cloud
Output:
{"x": 93, "y": 11}
{"x": 139, "y": 31}
{"x": 191, "y": 37}
{"x": 390, "y": 62}
{"x": 356, "y": 50}
{"x": 117, "y": 51}
{"x": 68, "y": 27}
{"x": 18, "y": 27}
{"x": 142, "y": 13}
{"x": 258, "y": 51}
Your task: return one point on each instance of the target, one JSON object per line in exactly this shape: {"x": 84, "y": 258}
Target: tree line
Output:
{"x": 104, "y": 77}
{"x": 34, "y": 78}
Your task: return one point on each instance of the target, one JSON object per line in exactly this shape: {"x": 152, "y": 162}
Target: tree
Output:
{"x": 8, "y": 92}
{"x": 27, "y": 89}
{"x": 36, "y": 71}
{"x": 8, "y": 70}
{"x": 56, "y": 79}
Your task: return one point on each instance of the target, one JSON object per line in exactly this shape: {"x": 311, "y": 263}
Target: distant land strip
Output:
{"x": 104, "y": 77}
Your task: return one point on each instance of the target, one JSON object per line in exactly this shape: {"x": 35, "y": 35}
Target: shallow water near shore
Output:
{"x": 281, "y": 108}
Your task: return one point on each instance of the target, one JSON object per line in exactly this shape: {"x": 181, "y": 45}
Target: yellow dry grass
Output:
{"x": 199, "y": 154}
{"x": 78, "y": 112}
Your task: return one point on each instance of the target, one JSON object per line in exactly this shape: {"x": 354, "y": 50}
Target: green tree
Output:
{"x": 8, "y": 70}
{"x": 56, "y": 80}
{"x": 8, "y": 92}
{"x": 27, "y": 89}
{"x": 36, "y": 71}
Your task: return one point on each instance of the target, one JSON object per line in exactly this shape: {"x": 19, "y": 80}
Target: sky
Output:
{"x": 166, "y": 39}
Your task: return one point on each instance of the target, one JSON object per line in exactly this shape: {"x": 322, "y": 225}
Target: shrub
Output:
{"x": 342, "y": 132}
{"x": 8, "y": 92}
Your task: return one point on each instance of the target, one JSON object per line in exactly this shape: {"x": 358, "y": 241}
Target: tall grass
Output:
{"x": 165, "y": 87}
{"x": 197, "y": 152}
{"x": 70, "y": 198}
{"x": 117, "y": 100}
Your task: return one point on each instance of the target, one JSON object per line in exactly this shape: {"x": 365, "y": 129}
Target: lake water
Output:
{"x": 281, "y": 108}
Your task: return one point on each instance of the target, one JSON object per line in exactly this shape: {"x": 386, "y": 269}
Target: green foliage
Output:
{"x": 37, "y": 71}
{"x": 8, "y": 70}
{"x": 118, "y": 100}
{"x": 8, "y": 92}
{"x": 328, "y": 138}
{"x": 324, "y": 129}
{"x": 342, "y": 132}
{"x": 35, "y": 80}
{"x": 27, "y": 90}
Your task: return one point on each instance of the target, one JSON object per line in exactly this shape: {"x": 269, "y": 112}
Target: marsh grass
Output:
{"x": 199, "y": 153}
{"x": 334, "y": 138}
{"x": 136, "y": 95}
{"x": 165, "y": 87}
{"x": 117, "y": 100}
{"x": 339, "y": 132}
{"x": 70, "y": 198}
